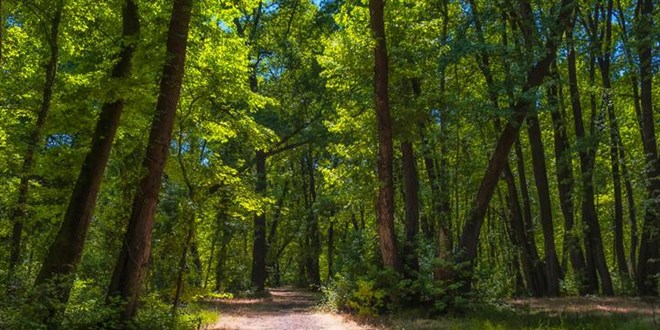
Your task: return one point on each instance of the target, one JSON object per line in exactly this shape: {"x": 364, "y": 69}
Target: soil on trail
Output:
{"x": 285, "y": 309}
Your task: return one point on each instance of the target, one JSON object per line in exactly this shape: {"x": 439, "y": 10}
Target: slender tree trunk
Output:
{"x": 469, "y": 240}
{"x": 19, "y": 213}
{"x": 634, "y": 84}
{"x": 411, "y": 201}
{"x": 553, "y": 272}
{"x": 133, "y": 260}
{"x": 615, "y": 152}
{"x": 258, "y": 275}
{"x": 565, "y": 181}
{"x": 65, "y": 252}
{"x": 588, "y": 209}
{"x": 312, "y": 265}
{"x": 386, "y": 233}
{"x": 331, "y": 250}
{"x": 182, "y": 268}
{"x": 648, "y": 264}
{"x": 533, "y": 268}
{"x": 272, "y": 258}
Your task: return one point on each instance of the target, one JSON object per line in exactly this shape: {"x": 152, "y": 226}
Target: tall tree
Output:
{"x": 648, "y": 264}
{"x": 534, "y": 77}
{"x": 385, "y": 208}
{"x": 133, "y": 260}
{"x": 616, "y": 154}
{"x": 19, "y": 213}
{"x": 565, "y": 180}
{"x": 594, "y": 254}
{"x": 64, "y": 253}
{"x": 553, "y": 271}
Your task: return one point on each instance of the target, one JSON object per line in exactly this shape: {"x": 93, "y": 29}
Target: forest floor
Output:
{"x": 286, "y": 308}
{"x": 296, "y": 309}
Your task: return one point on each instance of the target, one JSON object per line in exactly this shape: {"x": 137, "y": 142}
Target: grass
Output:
{"x": 558, "y": 313}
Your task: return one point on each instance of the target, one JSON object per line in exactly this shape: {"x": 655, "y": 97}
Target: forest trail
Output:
{"x": 285, "y": 309}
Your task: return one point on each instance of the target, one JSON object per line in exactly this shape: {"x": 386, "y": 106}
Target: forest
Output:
{"x": 158, "y": 157}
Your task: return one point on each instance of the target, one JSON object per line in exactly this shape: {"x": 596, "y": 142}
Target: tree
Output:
{"x": 648, "y": 266}
{"x": 20, "y": 213}
{"x": 132, "y": 263}
{"x": 64, "y": 254}
{"x": 387, "y": 236}
{"x": 469, "y": 239}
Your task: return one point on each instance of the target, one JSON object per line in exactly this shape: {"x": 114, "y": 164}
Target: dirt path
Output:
{"x": 286, "y": 309}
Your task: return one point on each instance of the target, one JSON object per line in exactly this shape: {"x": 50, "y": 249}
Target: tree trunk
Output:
{"x": 132, "y": 263}
{"x": 182, "y": 269}
{"x": 314, "y": 252}
{"x": 258, "y": 275}
{"x": 594, "y": 257}
{"x": 615, "y": 152}
{"x": 411, "y": 201}
{"x": 565, "y": 181}
{"x": 532, "y": 265}
{"x": 553, "y": 272}
{"x": 648, "y": 264}
{"x": 385, "y": 208}
{"x": 65, "y": 252}
{"x": 331, "y": 250}
{"x": 19, "y": 213}
{"x": 634, "y": 84}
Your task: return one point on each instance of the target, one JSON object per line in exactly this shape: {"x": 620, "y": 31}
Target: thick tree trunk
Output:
{"x": 565, "y": 181}
{"x": 648, "y": 264}
{"x": 385, "y": 208}
{"x": 411, "y": 201}
{"x": 133, "y": 260}
{"x": 258, "y": 275}
{"x": 65, "y": 252}
{"x": 553, "y": 272}
{"x": 34, "y": 143}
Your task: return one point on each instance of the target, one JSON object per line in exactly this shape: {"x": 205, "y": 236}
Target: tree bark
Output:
{"x": 132, "y": 263}
{"x": 648, "y": 264}
{"x": 19, "y": 213}
{"x": 385, "y": 208}
{"x": 65, "y": 252}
